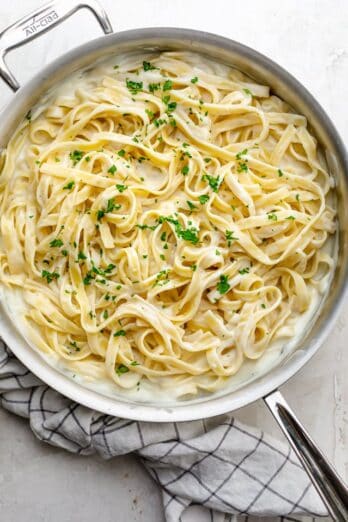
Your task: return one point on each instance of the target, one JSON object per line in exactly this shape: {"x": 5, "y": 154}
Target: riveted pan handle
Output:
{"x": 329, "y": 485}
{"x": 40, "y": 21}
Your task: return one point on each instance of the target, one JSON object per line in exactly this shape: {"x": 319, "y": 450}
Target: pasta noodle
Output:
{"x": 163, "y": 217}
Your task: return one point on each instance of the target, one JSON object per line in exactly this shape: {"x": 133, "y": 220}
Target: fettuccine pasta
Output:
{"x": 163, "y": 217}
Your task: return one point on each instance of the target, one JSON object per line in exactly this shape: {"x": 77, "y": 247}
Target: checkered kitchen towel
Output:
{"x": 221, "y": 465}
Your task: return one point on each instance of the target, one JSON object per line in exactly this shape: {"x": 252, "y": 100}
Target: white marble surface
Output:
{"x": 310, "y": 39}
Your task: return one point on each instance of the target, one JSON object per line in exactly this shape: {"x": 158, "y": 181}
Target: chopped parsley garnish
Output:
{"x": 121, "y": 188}
{"x": 191, "y": 206}
{"x": 110, "y": 206}
{"x": 121, "y": 153}
{"x": 185, "y": 170}
{"x": 105, "y": 314}
{"x": 242, "y": 167}
{"x": 49, "y": 276}
{"x": 272, "y": 216}
{"x": 76, "y": 156}
{"x": 149, "y": 227}
{"x": 291, "y": 218}
{"x": 203, "y": 198}
{"x": 171, "y": 106}
{"x": 263, "y": 305}
{"x": 194, "y": 80}
{"x": 120, "y": 333}
{"x": 189, "y": 234}
{"x": 134, "y": 363}
{"x": 248, "y": 91}
{"x": 112, "y": 169}
{"x": 88, "y": 278}
{"x": 193, "y": 268}
{"x": 56, "y": 243}
{"x": 134, "y": 87}
{"x": 207, "y": 160}
{"x": 162, "y": 278}
{"x": 28, "y": 116}
{"x": 74, "y": 345}
{"x": 163, "y": 236}
{"x": 214, "y": 183}
{"x": 245, "y": 270}
{"x": 147, "y": 66}
{"x": 154, "y": 87}
{"x": 160, "y": 121}
{"x": 223, "y": 285}
{"x": 149, "y": 113}
{"x": 64, "y": 252}
{"x": 121, "y": 369}
{"x": 280, "y": 173}
{"x": 168, "y": 84}
{"x": 297, "y": 197}
{"x": 69, "y": 185}
{"x": 241, "y": 153}
{"x": 229, "y": 237}
{"x": 81, "y": 256}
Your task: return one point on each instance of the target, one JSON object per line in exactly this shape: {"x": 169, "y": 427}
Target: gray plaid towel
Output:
{"x": 221, "y": 465}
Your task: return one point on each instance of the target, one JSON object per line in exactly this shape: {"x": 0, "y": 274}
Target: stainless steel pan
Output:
{"x": 329, "y": 485}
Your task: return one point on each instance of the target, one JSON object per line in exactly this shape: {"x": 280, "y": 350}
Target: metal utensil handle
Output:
{"x": 40, "y": 21}
{"x": 329, "y": 485}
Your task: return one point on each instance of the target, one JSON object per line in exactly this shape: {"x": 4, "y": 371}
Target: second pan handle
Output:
{"x": 40, "y": 21}
{"x": 329, "y": 485}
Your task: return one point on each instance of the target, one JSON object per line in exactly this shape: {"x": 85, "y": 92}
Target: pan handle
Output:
{"x": 40, "y": 21}
{"x": 329, "y": 485}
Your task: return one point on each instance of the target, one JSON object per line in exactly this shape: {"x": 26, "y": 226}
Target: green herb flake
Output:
{"x": 229, "y": 237}
{"x": 244, "y": 271}
{"x": 185, "y": 170}
{"x": 121, "y": 188}
{"x": 154, "y": 87}
{"x": 280, "y": 173}
{"x": 168, "y": 84}
{"x": 162, "y": 278}
{"x": 134, "y": 87}
{"x": 121, "y": 369}
{"x": 76, "y": 156}
{"x": 120, "y": 333}
{"x": 223, "y": 285}
{"x": 272, "y": 216}
{"x": 191, "y": 206}
{"x": 112, "y": 169}
{"x": 194, "y": 80}
{"x": 69, "y": 185}
{"x": 49, "y": 276}
{"x": 121, "y": 153}
{"x": 56, "y": 243}
{"x": 241, "y": 153}
{"x": 147, "y": 66}
{"x": 214, "y": 183}
{"x": 248, "y": 91}
{"x": 203, "y": 198}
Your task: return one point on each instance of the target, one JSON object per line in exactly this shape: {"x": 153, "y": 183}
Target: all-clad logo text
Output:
{"x": 38, "y": 23}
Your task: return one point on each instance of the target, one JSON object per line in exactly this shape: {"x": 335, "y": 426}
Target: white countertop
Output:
{"x": 310, "y": 39}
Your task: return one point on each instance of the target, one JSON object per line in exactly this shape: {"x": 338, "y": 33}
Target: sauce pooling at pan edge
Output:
{"x": 165, "y": 220}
